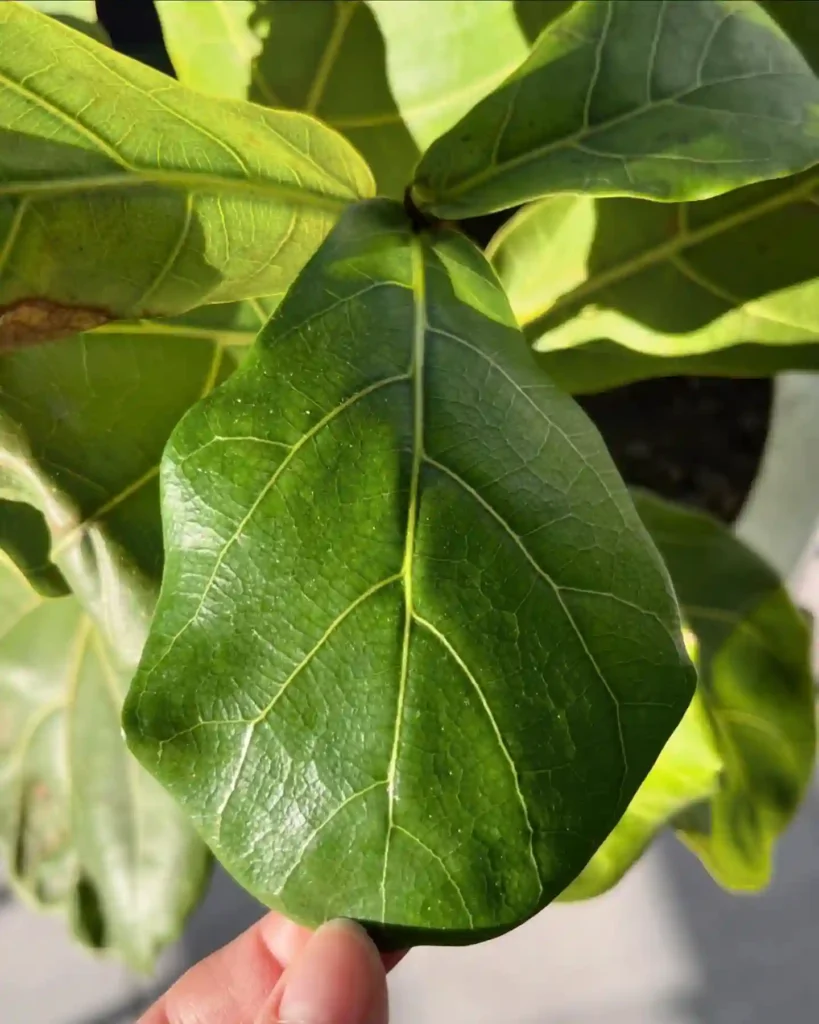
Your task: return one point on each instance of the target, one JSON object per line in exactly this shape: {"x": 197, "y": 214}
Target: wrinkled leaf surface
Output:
{"x": 414, "y": 652}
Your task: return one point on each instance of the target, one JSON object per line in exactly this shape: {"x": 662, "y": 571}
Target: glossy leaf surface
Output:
{"x": 414, "y": 652}
{"x": 674, "y": 100}
{"x": 207, "y": 201}
{"x": 83, "y": 827}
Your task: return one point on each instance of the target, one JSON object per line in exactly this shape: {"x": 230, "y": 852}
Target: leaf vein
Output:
{"x": 470, "y": 919}
{"x": 448, "y": 647}
{"x": 274, "y": 479}
{"x": 320, "y": 828}
{"x": 557, "y": 592}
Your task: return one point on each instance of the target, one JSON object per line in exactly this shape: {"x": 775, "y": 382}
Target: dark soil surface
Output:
{"x": 696, "y": 440}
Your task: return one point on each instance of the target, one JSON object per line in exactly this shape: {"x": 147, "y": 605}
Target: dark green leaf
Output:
{"x": 152, "y": 205}
{"x": 414, "y": 651}
{"x": 84, "y": 828}
{"x": 686, "y": 771}
{"x": 665, "y": 99}
{"x": 25, "y": 539}
{"x": 799, "y": 20}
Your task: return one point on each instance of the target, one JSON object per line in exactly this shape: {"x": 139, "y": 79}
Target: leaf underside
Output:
{"x": 209, "y": 201}
{"x": 413, "y": 652}
{"x": 83, "y": 827}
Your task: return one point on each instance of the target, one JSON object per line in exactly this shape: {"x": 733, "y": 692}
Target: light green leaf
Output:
{"x": 601, "y": 365}
{"x": 78, "y": 14}
{"x": 739, "y": 763}
{"x": 326, "y": 58}
{"x": 757, "y": 685}
{"x": 413, "y": 652}
{"x": 151, "y": 206}
{"x": 83, "y": 422}
{"x": 84, "y": 828}
{"x": 372, "y": 70}
{"x": 212, "y": 45}
{"x": 664, "y": 99}
{"x": 727, "y": 286}
{"x": 542, "y": 253}
{"x": 438, "y": 76}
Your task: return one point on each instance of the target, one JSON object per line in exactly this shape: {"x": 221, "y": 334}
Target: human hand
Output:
{"x": 280, "y": 973}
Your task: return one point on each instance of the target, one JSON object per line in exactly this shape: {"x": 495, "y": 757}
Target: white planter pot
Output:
{"x": 780, "y": 517}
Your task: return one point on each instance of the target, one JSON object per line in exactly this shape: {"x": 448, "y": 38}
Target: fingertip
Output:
{"x": 337, "y": 978}
{"x": 283, "y": 938}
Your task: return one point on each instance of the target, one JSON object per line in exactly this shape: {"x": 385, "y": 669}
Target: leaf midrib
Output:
{"x": 416, "y": 373}
{"x": 535, "y": 327}
{"x": 104, "y": 148}
{"x": 587, "y": 132}
{"x": 134, "y": 177}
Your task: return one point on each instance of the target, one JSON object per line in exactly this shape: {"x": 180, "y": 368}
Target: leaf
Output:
{"x": 326, "y": 58}
{"x": 542, "y": 253}
{"x": 686, "y": 771}
{"x": 24, "y": 538}
{"x": 758, "y": 689}
{"x": 438, "y": 76}
{"x": 727, "y": 286}
{"x": 78, "y": 14}
{"x": 212, "y": 46}
{"x": 602, "y": 365}
{"x": 413, "y": 651}
{"x": 83, "y": 423}
{"x": 664, "y": 99}
{"x": 84, "y": 828}
{"x": 799, "y": 22}
{"x": 373, "y": 71}
{"x": 197, "y": 200}
{"x": 739, "y": 763}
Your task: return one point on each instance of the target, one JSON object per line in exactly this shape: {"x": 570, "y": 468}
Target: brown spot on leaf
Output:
{"x": 32, "y": 321}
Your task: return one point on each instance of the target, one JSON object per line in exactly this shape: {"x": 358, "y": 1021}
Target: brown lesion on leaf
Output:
{"x": 32, "y": 321}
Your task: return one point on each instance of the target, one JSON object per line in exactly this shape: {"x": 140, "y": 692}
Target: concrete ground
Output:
{"x": 665, "y": 947}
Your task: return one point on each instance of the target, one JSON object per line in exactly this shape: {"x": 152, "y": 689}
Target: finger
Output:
{"x": 232, "y": 985}
{"x": 337, "y": 978}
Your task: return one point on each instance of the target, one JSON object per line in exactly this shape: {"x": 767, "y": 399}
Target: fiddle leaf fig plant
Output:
{"x": 284, "y": 456}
